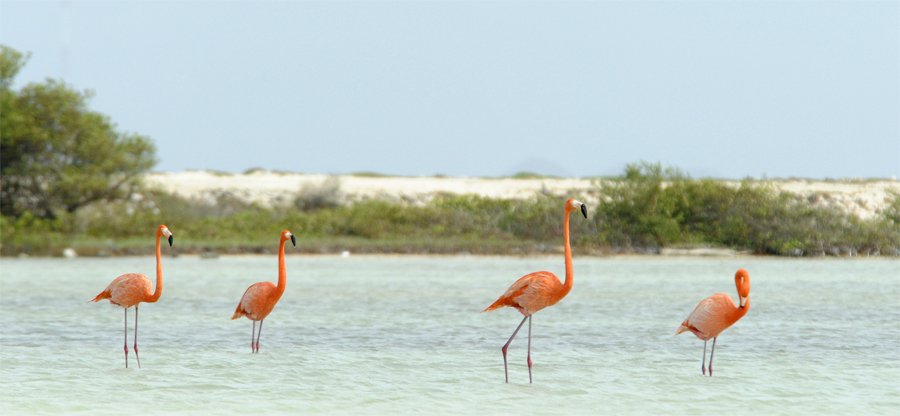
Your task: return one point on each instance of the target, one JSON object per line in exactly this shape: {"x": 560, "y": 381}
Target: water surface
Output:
{"x": 403, "y": 335}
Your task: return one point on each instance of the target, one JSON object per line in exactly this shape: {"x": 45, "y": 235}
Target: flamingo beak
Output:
{"x": 171, "y": 240}
{"x": 743, "y": 301}
{"x": 293, "y": 240}
{"x": 584, "y": 210}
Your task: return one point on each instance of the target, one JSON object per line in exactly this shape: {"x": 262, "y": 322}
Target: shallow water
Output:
{"x": 403, "y": 335}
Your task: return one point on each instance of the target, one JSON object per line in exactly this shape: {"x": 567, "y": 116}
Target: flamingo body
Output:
{"x": 258, "y": 301}
{"x": 532, "y": 293}
{"x": 127, "y": 290}
{"x": 712, "y": 316}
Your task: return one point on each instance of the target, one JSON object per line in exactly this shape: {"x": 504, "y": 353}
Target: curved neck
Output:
{"x": 570, "y": 275}
{"x": 738, "y": 312}
{"x": 282, "y": 272}
{"x": 159, "y": 280}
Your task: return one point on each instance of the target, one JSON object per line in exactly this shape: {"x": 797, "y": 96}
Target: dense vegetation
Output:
{"x": 646, "y": 209}
{"x": 56, "y": 155}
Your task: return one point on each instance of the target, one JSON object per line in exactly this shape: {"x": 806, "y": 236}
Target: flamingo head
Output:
{"x": 286, "y": 235}
{"x": 742, "y": 281}
{"x": 572, "y": 205}
{"x": 164, "y": 231}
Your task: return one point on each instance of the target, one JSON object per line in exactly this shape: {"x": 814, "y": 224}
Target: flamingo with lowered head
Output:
{"x": 538, "y": 290}
{"x": 715, "y": 314}
{"x": 260, "y": 298}
{"x": 131, "y": 289}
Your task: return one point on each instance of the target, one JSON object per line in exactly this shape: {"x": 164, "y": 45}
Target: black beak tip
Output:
{"x": 171, "y": 239}
{"x": 293, "y": 240}
{"x": 584, "y": 210}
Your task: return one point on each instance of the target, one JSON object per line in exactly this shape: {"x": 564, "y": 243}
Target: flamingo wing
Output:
{"x": 126, "y": 290}
{"x": 709, "y": 318}
{"x": 528, "y": 288}
{"x": 255, "y": 301}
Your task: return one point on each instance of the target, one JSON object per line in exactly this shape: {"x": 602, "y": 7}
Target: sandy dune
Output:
{"x": 863, "y": 198}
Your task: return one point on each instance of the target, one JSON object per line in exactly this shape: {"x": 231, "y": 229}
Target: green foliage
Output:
{"x": 56, "y": 154}
{"x": 11, "y": 61}
{"x": 637, "y": 211}
{"x": 647, "y": 208}
{"x": 369, "y": 174}
{"x": 650, "y": 207}
{"x": 892, "y": 213}
{"x": 532, "y": 175}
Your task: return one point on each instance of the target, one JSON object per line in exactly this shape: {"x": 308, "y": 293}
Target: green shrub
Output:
{"x": 647, "y": 208}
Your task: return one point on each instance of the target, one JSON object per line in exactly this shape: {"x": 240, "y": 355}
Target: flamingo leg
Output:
{"x": 711, "y": 353}
{"x": 506, "y": 346}
{"x": 135, "y": 337}
{"x": 126, "y": 337}
{"x": 703, "y": 365}
{"x": 529, "y": 350}
{"x": 257, "y": 336}
{"x": 252, "y": 339}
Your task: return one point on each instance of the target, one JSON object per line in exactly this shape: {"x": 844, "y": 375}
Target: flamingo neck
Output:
{"x": 282, "y": 271}
{"x": 570, "y": 274}
{"x": 738, "y": 312}
{"x": 159, "y": 278}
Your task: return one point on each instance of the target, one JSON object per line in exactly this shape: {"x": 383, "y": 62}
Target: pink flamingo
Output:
{"x": 715, "y": 314}
{"x": 538, "y": 290}
{"x": 260, "y": 298}
{"x": 131, "y": 289}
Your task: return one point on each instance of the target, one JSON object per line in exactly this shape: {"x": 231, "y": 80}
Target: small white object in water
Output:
{"x": 69, "y": 253}
{"x": 345, "y": 254}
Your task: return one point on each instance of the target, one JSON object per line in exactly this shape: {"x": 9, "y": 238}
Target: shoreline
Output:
{"x": 207, "y": 252}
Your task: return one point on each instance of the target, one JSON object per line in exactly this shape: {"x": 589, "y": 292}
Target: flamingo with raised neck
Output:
{"x": 538, "y": 290}
{"x": 131, "y": 289}
{"x": 260, "y": 298}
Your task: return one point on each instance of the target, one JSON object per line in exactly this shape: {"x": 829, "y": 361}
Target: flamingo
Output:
{"x": 260, "y": 298}
{"x": 538, "y": 290}
{"x": 715, "y": 314}
{"x": 131, "y": 289}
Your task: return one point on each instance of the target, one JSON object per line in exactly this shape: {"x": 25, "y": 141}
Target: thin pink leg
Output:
{"x": 703, "y": 364}
{"x": 126, "y": 337}
{"x": 529, "y": 350}
{"x": 252, "y": 340}
{"x": 506, "y": 346}
{"x": 257, "y": 336}
{"x": 711, "y": 353}
{"x": 135, "y": 337}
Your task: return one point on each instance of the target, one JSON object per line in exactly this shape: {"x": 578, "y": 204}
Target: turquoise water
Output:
{"x": 403, "y": 335}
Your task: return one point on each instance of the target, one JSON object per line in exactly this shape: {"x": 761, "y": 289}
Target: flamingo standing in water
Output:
{"x": 715, "y": 314}
{"x": 538, "y": 290}
{"x": 260, "y": 298}
{"x": 131, "y": 289}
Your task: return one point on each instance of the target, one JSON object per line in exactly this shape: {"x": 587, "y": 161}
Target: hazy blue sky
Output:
{"x": 722, "y": 89}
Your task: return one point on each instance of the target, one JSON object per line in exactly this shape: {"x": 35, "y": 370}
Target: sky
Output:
{"x": 464, "y": 88}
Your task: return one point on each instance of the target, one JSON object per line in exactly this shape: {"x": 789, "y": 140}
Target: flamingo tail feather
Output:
{"x": 497, "y": 305}
{"x": 237, "y": 313}
{"x": 103, "y": 295}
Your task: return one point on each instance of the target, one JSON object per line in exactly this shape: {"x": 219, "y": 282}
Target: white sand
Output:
{"x": 863, "y": 198}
